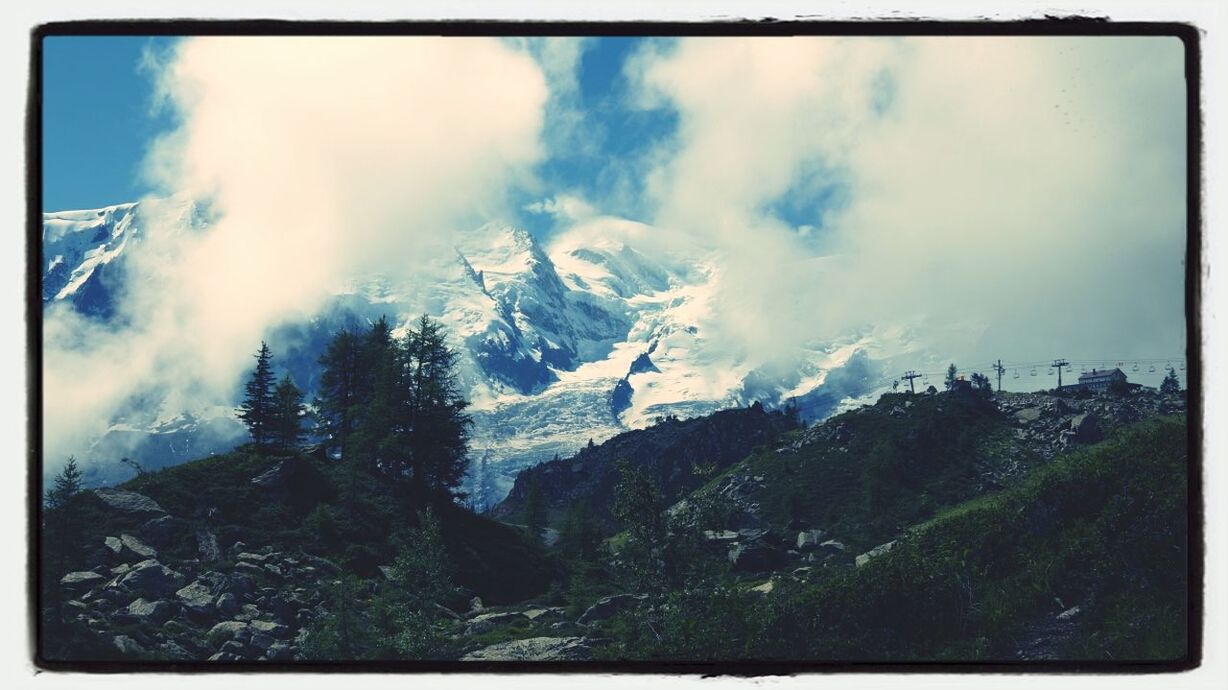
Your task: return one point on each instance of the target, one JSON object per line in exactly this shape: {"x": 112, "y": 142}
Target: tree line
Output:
{"x": 387, "y": 404}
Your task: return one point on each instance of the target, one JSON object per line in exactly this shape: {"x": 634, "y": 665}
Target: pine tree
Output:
{"x": 1170, "y": 384}
{"x": 340, "y": 393}
{"x": 433, "y": 419}
{"x": 67, "y": 484}
{"x": 377, "y": 441}
{"x": 258, "y": 402}
{"x": 952, "y": 374}
{"x": 286, "y": 418}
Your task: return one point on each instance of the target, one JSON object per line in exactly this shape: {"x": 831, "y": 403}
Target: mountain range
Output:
{"x": 591, "y": 332}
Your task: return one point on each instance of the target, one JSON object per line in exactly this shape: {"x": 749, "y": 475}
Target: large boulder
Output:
{"x": 486, "y": 622}
{"x": 81, "y": 581}
{"x": 196, "y": 599}
{"x": 162, "y": 530}
{"x": 1086, "y": 429}
{"x": 151, "y": 578}
{"x": 129, "y": 502}
{"x": 608, "y": 607}
{"x": 157, "y": 612}
{"x": 810, "y": 539}
{"x": 874, "y": 553}
{"x": 135, "y": 550}
{"x": 535, "y": 649}
{"x": 274, "y": 630}
{"x": 225, "y": 632}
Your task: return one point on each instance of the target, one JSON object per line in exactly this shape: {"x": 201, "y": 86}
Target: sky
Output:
{"x": 1000, "y": 196}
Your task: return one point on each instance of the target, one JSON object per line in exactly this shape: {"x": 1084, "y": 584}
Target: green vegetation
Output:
{"x": 1103, "y": 529}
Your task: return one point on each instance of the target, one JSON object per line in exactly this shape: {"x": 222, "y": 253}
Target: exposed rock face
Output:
{"x": 608, "y": 607}
{"x": 129, "y": 502}
{"x": 874, "y": 553}
{"x": 535, "y": 649}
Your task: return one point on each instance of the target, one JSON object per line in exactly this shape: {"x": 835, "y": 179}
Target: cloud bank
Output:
{"x": 1031, "y": 187}
{"x": 321, "y": 159}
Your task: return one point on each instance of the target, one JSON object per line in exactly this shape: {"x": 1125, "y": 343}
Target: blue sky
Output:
{"x": 96, "y": 119}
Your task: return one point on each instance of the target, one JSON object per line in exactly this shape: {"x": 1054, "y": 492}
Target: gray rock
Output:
{"x": 475, "y": 605}
{"x": 151, "y": 578}
{"x": 810, "y": 538}
{"x": 81, "y": 581}
{"x": 279, "y": 651}
{"x": 174, "y": 651}
{"x": 157, "y": 612}
{"x": 322, "y": 564}
{"x": 129, "y": 503}
{"x": 248, "y": 612}
{"x": 161, "y": 530}
{"x": 224, "y": 632}
{"x": 251, "y": 557}
{"x": 207, "y": 548}
{"x": 227, "y": 605}
{"x": 197, "y": 599}
{"x": 606, "y": 608}
{"x": 486, "y": 622}
{"x": 535, "y": 649}
{"x": 833, "y": 546}
{"x": 1086, "y": 429}
{"x": 765, "y": 588}
{"x": 544, "y": 613}
{"x": 225, "y": 656}
{"x": 874, "y": 553}
{"x": 276, "y": 630}
{"x": 1069, "y": 613}
{"x": 133, "y": 549}
{"x": 262, "y": 641}
{"x": 755, "y": 557}
{"x": 127, "y": 646}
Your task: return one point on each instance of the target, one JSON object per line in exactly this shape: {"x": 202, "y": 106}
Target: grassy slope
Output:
{"x": 1103, "y": 528}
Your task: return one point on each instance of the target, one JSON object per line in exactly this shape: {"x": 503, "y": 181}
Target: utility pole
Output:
{"x": 1058, "y": 364}
{"x": 998, "y": 368}
{"x": 910, "y": 375}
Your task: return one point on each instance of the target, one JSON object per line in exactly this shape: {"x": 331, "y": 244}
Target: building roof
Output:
{"x": 1100, "y": 375}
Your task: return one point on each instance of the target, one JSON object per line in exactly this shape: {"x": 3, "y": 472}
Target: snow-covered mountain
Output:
{"x": 593, "y": 332}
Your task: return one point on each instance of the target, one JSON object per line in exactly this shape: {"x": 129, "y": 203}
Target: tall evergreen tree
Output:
{"x": 341, "y": 389}
{"x": 376, "y": 441}
{"x": 433, "y": 415}
{"x": 1170, "y": 384}
{"x": 952, "y": 374}
{"x": 256, "y": 410}
{"x": 66, "y": 485}
{"x": 286, "y": 419}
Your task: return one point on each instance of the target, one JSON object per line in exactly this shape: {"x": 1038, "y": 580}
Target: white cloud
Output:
{"x": 1032, "y": 185}
{"x": 323, "y": 158}
{"x": 562, "y": 206}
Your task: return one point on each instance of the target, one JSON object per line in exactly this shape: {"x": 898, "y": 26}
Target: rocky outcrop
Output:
{"x": 874, "y": 553}
{"x": 535, "y": 649}
{"x": 129, "y": 502}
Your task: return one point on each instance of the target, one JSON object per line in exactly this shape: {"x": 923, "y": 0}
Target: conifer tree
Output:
{"x": 257, "y": 408}
{"x": 67, "y": 484}
{"x": 433, "y": 415}
{"x": 286, "y": 420}
{"x": 340, "y": 392}
{"x": 1170, "y": 384}
{"x": 952, "y": 374}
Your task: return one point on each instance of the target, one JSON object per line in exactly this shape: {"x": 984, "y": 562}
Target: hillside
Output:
{"x": 929, "y": 526}
{"x": 679, "y": 455}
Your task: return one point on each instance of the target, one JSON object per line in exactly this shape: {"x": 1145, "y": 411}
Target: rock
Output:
{"x": 543, "y": 613}
{"x": 174, "y": 651}
{"x": 874, "y": 553}
{"x": 129, "y": 503}
{"x": 224, "y": 632}
{"x": 251, "y": 557}
{"x": 157, "y": 612}
{"x": 262, "y": 641}
{"x": 802, "y": 572}
{"x": 1069, "y": 613}
{"x": 765, "y": 588}
{"x": 275, "y": 630}
{"x": 225, "y": 656}
{"x": 127, "y": 646}
{"x": 250, "y": 569}
{"x": 446, "y": 612}
{"x": 535, "y": 649}
{"x": 133, "y": 549}
{"x": 280, "y": 477}
{"x": 161, "y": 530}
{"x": 207, "y": 547}
{"x": 1027, "y": 415}
{"x": 81, "y": 581}
{"x": 720, "y": 536}
{"x": 323, "y": 564}
{"x": 833, "y": 546}
{"x": 388, "y": 572}
{"x": 248, "y": 612}
{"x": 755, "y": 557}
{"x": 606, "y": 608}
{"x": 486, "y": 622}
{"x": 1086, "y": 429}
{"x": 279, "y": 651}
{"x": 197, "y": 599}
{"x": 475, "y": 605}
{"x": 809, "y": 539}
{"x": 227, "y": 605}
{"x": 151, "y": 578}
